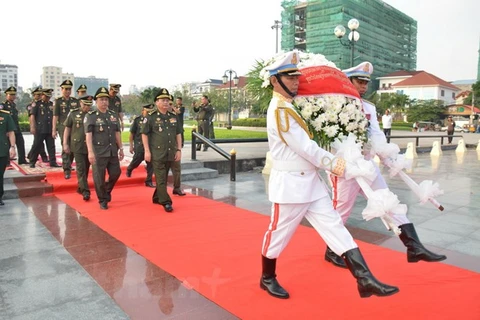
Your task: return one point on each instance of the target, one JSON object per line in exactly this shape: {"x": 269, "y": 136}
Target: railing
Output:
{"x": 232, "y": 157}
{"x": 417, "y": 138}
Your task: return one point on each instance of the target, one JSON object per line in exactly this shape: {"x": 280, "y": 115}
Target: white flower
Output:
{"x": 332, "y": 131}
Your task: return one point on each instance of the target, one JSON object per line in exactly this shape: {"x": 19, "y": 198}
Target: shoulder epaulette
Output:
{"x": 136, "y": 117}
{"x": 5, "y": 111}
{"x": 92, "y": 111}
{"x": 76, "y": 109}
{"x": 152, "y": 112}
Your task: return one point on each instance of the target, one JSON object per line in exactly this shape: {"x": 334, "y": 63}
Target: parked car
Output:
{"x": 456, "y": 129}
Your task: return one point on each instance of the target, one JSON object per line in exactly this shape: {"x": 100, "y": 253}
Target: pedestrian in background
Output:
{"x": 7, "y": 145}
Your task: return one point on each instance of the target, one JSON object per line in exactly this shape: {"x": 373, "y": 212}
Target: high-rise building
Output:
{"x": 388, "y": 37}
{"x": 91, "y": 82}
{"x": 478, "y": 63}
{"x": 8, "y": 76}
{"x": 52, "y": 77}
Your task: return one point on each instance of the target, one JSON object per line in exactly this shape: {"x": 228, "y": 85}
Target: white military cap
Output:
{"x": 285, "y": 63}
{"x": 363, "y": 71}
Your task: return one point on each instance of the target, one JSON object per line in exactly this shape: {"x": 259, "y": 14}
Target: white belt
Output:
{"x": 293, "y": 166}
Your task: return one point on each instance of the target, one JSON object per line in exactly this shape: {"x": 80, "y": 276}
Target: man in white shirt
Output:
{"x": 387, "y": 124}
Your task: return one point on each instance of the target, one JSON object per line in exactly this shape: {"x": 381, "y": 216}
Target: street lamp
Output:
{"x": 353, "y": 36}
{"x": 277, "y": 25}
{"x": 226, "y": 78}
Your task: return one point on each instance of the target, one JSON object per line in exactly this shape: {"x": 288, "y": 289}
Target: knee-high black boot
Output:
{"x": 367, "y": 283}
{"x": 415, "y": 249}
{"x": 269, "y": 281}
{"x": 335, "y": 259}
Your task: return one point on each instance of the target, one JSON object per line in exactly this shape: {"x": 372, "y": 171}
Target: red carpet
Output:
{"x": 215, "y": 248}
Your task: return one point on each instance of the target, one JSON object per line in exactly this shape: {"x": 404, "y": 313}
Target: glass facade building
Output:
{"x": 388, "y": 37}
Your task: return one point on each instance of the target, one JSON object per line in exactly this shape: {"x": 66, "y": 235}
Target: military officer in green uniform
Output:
{"x": 104, "y": 145}
{"x": 75, "y": 133}
{"x": 41, "y": 117}
{"x": 7, "y": 144}
{"x": 114, "y": 102}
{"x": 81, "y": 90}
{"x": 162, "y": 140}
{"x": 60, "y": 112}
{"x": 136, "y": 146}
{"x": 10, "y": 106}
{"x": 37, "y": 96}
{"x": 176, "y": 165}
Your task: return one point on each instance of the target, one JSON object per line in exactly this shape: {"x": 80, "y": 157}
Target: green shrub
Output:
{"x": 250, "y": 122}
{"x": 24, "y": 126}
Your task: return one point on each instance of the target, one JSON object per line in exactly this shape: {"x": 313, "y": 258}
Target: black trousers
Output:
{"x": 100, "y": 168}
{"x": 387, "y": 133}
{"x": 3, "y": 166}
{"x": 83, "y": 167}
{"x": 138, "y": 157}
{"x": 67, "y": 158}
{"x": 38, "y": 147}
{"x": 450, "y": 133}
{"x": 203, "y": 129}
{"x": 161, "y": 169}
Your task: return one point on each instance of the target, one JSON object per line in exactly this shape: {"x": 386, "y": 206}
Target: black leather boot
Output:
{"x": 367, "y": 284}
{"x": 415, "y": 249}
{"x": 332, "y": 257}
{"x": 269, "y": 281}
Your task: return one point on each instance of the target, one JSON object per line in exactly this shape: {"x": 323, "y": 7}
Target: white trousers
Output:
{"x": 345, "y": 192}
{"x": 285, "y": 219}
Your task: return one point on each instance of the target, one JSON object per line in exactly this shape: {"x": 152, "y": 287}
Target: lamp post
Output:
{"x": 353, "y": 36}
{"x": 277, "y": 25}
{"x": 226, "y": 78}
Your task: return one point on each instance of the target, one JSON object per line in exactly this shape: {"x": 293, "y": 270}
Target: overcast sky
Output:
{"x": 164, "y": 43}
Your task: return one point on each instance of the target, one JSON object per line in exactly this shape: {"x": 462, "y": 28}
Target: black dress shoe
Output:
{"x": 55, "y": 165}
{"x": 103, "y": 205}
{"x": 149, "y": 184}
{"x": 23, "y": 162}
{"x": 168, "y": 207}
{"x": 128, "y": 173}
{"x": 179, "y": 192}
{"x": 86, "y": 196}
{"x": 2, "y": 203}
{"x": 109, "y": 196}
{"x": 45, "y": 160}
{"x": 32, "y": 165}
{"x": 67, "y": 175}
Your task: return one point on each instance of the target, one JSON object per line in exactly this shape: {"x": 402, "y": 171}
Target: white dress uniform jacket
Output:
{"x": 296, "y": 158}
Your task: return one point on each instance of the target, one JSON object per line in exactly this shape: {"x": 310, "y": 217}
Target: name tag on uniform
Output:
{"x": 173, "y": 120}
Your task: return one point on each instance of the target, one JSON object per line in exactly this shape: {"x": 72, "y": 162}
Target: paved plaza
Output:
{"x": 46, "y": 276}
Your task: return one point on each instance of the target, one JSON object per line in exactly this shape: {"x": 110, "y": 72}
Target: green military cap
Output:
{"x": 47, "y": 92}
{"x": 101, "y": 92}
{"x": 82, "y": 88}
{"x": 115, "y": 87}
{"x": 87, "y": 99}
{"x": 37, "y": 90}
{"x": 162, "y": 94}
{"x": 171, "y": 97}
{"x": 66, "y": 84}
{"x": 11, "y": 90}
{"x": 148, "y": 106}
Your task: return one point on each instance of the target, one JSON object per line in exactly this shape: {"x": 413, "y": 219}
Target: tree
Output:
{"x": 259, "y": 97}
{"x": 148, "y": 95}
{"x": 426, "y": 110}
{"x": 132, "y": 104}
{"x": 476, "y": 92}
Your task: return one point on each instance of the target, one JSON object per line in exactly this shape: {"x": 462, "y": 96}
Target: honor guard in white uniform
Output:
{"x": 296, "y": 189}
{"x": 344, "y": 192}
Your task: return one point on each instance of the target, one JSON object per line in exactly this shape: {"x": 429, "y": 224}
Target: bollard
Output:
{"x": 436, "y": 149}
{"x": 268, "y": 164}
{"x": 411, "y": 152}
{"x": 435, "y": 162}
{"x": 233, "y": 163}
{"x": 461, "y": 147}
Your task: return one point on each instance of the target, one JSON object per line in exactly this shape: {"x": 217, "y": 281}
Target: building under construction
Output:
{"x": 388, "y": 37}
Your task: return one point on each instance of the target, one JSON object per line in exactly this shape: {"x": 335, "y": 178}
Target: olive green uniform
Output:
{"x": 6, "y": 125}
{"x": 43, "y": 154}
{"x": 139, "y": 150}
{"x": 103, "y": 127}
{"x": 61, "y": 110}
{"x": 162, "y": 131}
{"x": 78, "y": 145}
{"x": 43, "y": 114}
{"x": 115, "y": 104}
{"x": 204, "y": 114}
{"x": 12, "y": 108}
